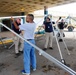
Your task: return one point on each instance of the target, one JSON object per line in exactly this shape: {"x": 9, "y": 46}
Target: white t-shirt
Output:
{"x": 29, "y": 30}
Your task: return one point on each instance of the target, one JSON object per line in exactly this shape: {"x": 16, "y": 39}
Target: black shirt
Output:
{"x": 48, "y": 26}
{"x": 61, "y": 25}
{"x": 16, "y": 30}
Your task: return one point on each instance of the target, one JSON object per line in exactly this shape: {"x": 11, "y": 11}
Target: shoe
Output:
{"x": 63, "y": 35}
{"x": 45, "y": 49}
{"x": 21, "y": 52}
{"x": 17, "y": 54}
{"x": 58, "y": 34}
{"x": 60, "y": 40}
{"x": 23, "y": 72}
{"x": 34, "y": 69}
{"x": 50, "y": 48}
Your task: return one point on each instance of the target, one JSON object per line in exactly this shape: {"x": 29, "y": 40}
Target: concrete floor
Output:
{"x": 9, "y": 65}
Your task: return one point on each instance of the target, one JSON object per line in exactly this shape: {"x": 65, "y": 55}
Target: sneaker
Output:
{"x": 34, "y": 69}
{"x": 60, "y": 40}
{"x": 51, "y": 48}
{"x": 17, "y": 54}
{"x": 45, "y": 49}
{"x": 23, "y": 72}
{"x": 58, "y": 34}
{"x": 21, "y": 52}
{"x": 63, "y": 35}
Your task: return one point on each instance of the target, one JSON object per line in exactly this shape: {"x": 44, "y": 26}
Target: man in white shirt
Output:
{"x": 29, "y": 51}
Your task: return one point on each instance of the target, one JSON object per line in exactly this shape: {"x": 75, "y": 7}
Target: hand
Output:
{"x": 59, "y": 18}
{"x": 12, "y": 18}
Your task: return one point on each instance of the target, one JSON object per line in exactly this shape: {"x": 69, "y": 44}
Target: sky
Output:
{"x": 65, "y": 10}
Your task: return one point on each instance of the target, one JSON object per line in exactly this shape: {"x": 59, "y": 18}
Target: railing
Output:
{"x": 43, "y": 53}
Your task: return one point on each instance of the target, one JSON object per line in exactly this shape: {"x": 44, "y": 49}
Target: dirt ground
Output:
{"x": 9, "y": 65}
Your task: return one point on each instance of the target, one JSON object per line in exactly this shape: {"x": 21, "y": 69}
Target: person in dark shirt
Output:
{"x": 61, "y": 24}
{"x": 61, "y": 29}
{"x": 16, "y": 30}
{"x": 48, "y": 33}
{"x": 16, "y": 39}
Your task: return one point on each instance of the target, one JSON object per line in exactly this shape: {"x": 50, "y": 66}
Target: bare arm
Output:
{"x": 22, "y": 32}
{"x": 17, "y": 27}
{"x": 44, "y": 26}
{"x": 58, "y": 20}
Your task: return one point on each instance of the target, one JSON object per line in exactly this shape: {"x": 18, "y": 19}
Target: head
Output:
{"x": 29, "y": 18}
{"x": 62, "y": 20}
{"x": 18, "y": 20}
{"x": 47, "y": 19}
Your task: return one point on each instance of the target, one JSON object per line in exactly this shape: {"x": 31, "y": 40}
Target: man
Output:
{"x": 29, "y": 51}
{"x": 61, "y": 29}
{"x": 48, "y": 33}
{"x": 17, "y": 40}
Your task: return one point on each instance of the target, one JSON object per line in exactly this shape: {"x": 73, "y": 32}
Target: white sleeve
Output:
{"x": 22, "y": 27}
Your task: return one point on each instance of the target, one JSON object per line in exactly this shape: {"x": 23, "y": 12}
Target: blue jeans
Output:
{"x": 29, "y": 56}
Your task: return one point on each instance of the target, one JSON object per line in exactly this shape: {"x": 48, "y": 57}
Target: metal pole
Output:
{"x": 3, "y": 43}
{"x": 63, "y": 41}
{"x": 11, "y": 46}
{"x": 45, "y": 11}
{"x": 46, "y": 55}
{"x": 12, "y": 16}
{"x": 62, "y": 60}
{"x": 58, "y": 47}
